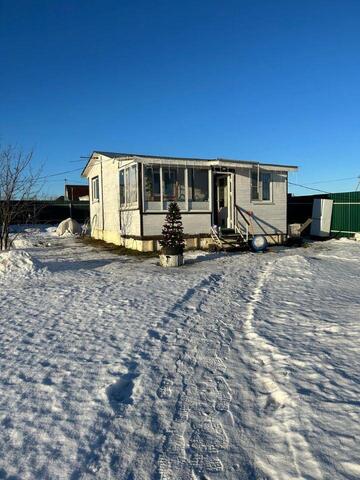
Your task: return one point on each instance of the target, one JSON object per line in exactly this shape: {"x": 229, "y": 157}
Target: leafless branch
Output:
{"x": 18, "y": 183}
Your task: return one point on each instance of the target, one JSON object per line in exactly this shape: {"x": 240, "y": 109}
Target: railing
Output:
{"x": 215, "y": 236}
{"x": 239, "y": 227}
{"x": 241, "y": 232}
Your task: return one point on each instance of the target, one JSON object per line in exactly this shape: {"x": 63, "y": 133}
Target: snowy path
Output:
{"x": 235, "y": 367}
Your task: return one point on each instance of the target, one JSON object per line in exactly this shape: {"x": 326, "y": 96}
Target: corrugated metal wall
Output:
{"x": 346, "y": 212}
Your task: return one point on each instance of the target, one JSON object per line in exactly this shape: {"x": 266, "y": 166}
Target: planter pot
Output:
{"x": 171, "y": 260}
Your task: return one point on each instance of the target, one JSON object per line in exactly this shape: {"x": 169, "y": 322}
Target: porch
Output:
{"x": 150, "y": 188}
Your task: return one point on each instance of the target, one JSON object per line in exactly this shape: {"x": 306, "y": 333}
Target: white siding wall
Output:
{"x": 95, "y": 206}
{"x": 105, "y": 213}
{"x": 111, "y": 195}
{"x": 194, "y": 223}
{"x": 130, "y": 222}
{"x": 269, "y": 217}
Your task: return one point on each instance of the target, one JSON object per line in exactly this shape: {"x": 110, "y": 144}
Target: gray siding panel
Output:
{"x": 197, "y": 223}
{"x": 268, "y": 217}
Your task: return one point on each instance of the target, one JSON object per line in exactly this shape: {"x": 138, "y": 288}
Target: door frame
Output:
{"x": 230, "y": 195}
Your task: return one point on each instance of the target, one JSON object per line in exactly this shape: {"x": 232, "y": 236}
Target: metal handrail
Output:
{"x": 248, "y": 223}
{"x": 241, "y": 213}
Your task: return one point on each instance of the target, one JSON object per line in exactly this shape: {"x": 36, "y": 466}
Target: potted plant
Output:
{"x": 172, "y": 243}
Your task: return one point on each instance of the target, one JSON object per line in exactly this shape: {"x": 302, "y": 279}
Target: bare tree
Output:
{"x": 18, "y": 183}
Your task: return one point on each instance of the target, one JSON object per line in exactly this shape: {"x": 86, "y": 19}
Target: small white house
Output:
{"x": 130, "y": 194}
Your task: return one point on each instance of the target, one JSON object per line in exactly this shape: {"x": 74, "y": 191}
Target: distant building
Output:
{"x": 76, "y": 193}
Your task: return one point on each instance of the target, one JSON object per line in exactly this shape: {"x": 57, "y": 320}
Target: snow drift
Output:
{"x": 22, "y": 241}
{"x": 18, "y": 262}
{"x": 24, "y": 237}
{"x": 68, "y": 227}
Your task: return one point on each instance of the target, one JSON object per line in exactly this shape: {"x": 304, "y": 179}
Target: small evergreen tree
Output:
{"x": 173, "y": 231}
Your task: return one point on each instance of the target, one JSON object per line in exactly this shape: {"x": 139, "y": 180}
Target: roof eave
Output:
{"x": 83, "y": 173}
{"x": 216, "y": 163}
{"x": 188, "y": 161}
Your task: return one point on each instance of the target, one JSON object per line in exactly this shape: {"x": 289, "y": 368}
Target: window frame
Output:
{"x": 166, "y": 197}
{"x": 128, "y": 204}
{"x": 261, "y": 190}
{"x": 186, "y": 185}
{"x": 93, "y": 181}
{"x": 122, "y": 187}
{"x": 191, "y": 185}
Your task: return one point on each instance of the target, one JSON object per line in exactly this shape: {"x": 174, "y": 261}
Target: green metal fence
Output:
{"x": 346, "y": 213}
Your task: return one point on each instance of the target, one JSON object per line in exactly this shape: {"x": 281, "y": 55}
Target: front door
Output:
{"x": 223, "y": 200}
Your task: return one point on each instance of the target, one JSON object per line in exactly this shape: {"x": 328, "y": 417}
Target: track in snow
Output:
{"x": 236, "y": 367}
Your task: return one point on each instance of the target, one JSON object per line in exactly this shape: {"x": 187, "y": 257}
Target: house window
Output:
{"x": 189, "y": 187}
{"x": 173, "y": 181}
{"x": 95, "y": 189}
{"x": 198, "y": 189}
{"x": 133, "y": 184}
{"x": 122, "y": 187}
{"x": 128, "y": 186}
{"x": 152, "y": 188}
{"x": 260, "y": 186}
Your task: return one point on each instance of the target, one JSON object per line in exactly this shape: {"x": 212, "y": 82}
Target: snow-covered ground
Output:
{"x": 237, "y": 366}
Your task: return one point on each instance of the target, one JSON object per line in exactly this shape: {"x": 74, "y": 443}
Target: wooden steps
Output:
{"x": 229, "y": 240}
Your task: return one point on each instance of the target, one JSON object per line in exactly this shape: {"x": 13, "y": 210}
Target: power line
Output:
{"x": 60, "y": 173}
{"x": 329, "y": 181}
{"x": 60, "y": 180}
{"x": 308, "y": 188}
{"x": 81, "y": 159}
{"x": 45, "y": 177}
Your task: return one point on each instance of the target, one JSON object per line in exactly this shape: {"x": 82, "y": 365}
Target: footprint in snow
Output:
{"x": 165, "y": 391}
{"x": 154, "y": 334}
{"x": 120, "y": 393}
{"x": 174, "y": 444}
{"x": 181, "y": 411}
{"x": 206, "y": 463}
{"x": 222, "y": 403}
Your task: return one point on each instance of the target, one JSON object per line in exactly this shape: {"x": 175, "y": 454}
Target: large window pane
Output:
{"x": 254, "y": 185}
{"x": 198, "y": 189}
{"x": 266, "y": 186}
{"x": 122, "y": 187}
{"x": 128, "y": 181}
{"x": 152, "y": 188}
{"x": 260, "y": 185}
{"x": 133, "y": 184}
{"x": 127, "y": 186}
{"x": 173, "y": 186}
{"x": 95, "y": 189}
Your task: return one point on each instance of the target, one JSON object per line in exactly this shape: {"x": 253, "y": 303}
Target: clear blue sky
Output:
{"x": 269, "y": 80}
